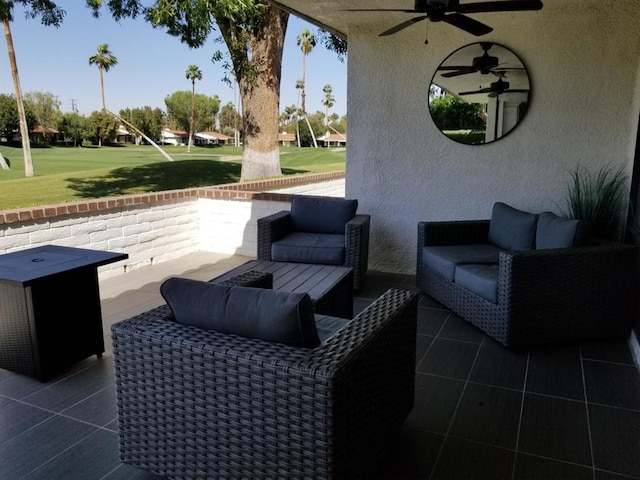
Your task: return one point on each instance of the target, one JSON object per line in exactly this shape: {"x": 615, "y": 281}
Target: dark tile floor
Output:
{"x": 481, "y": 412}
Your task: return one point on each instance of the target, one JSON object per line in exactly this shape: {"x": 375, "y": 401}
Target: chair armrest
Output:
{"x": 580, "y": 287}
{"x": 462, "y": 232}
{"x": 270, "y": 229}
{"x": 251, "y": 278}
{"x": 357, "y": 247}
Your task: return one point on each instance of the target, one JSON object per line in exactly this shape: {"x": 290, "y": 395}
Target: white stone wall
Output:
{"x": 149, "y": 233}
{"x": 229, "y": 226}
{"x": 583, "y": 60}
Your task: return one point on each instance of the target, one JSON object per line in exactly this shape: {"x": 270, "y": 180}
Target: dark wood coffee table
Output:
{"x": 329, "y": 287}
{"x": 50, "y": 315}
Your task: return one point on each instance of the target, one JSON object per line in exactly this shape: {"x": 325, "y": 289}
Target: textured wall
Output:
{"x": 583, "y": 60}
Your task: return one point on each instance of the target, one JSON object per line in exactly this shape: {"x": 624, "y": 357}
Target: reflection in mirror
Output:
{"x": 479, "y": 93}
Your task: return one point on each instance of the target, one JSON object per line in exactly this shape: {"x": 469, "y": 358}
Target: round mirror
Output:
{"x": 479, "y": 93}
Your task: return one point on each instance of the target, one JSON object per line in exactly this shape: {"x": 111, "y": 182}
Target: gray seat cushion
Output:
{"x": 479, "y": 279}
{"x": 300, "y": 247}
{"x": 328, "y": 326}
{"x": 444, "y": 259}
{"x": 512, "y": 229}
{"x": 321, "y": 214}
{"x": 558, "y": 232}
{"x": 270, "y": 315}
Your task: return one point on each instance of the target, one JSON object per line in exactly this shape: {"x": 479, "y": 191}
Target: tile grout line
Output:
{"x": 586, "y": 408}
{"x": 455, "y": 411}
{"x": 524, "y": 392}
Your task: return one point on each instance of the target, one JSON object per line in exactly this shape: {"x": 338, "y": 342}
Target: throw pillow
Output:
{"x": 512, "y": 229}
{"x": 268, "y": 315}
{"x": 321, "y": 214}
{"x": 558, "y": 232}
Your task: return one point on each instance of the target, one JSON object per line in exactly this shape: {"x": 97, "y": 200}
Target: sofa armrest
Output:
{"x": 462, "y": 232}
{"x": 574, "y": 288}
{"x": 357, "y": 247}
{"x": 201, "y": 384}
{"x": 270, "y": 229}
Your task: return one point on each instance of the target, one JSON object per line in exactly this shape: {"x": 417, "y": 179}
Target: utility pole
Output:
{"x": 74, "y": 105}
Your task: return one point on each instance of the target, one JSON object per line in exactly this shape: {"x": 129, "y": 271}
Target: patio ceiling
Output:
{"x": 339, "y": 16}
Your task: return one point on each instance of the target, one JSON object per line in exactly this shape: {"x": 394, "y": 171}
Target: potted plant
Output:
{"x": 600, "y": 198}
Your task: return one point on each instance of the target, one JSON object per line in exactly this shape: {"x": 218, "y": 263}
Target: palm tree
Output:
{"x": 306, "y": 42}
{"x": 193, "y": 74}
{"x": 105, "y": 60}
{"x": 24, "y": 129}
{"x": 328, "y": 100}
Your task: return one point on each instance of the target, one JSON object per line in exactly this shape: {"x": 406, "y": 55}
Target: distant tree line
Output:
{"x": 45, "y": 117}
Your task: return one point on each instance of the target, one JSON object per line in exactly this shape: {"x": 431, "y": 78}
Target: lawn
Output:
{"x": 66, "y": 174}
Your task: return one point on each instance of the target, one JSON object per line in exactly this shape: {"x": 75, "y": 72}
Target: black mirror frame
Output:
{"x": 489, "y": 79}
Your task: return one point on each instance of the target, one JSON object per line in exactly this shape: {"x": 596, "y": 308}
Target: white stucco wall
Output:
{"x": 583, "y": 60}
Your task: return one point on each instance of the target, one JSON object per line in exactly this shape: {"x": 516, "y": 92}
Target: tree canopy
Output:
{"x": 179, "y": 110}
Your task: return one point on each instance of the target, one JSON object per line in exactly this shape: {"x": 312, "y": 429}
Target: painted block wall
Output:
{"x": 584, "y": 110}
{"x": 149, "y": 233}
{"x": 229, "y": 226}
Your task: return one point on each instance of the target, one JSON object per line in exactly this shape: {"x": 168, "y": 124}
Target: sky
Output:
{"x": 151, "y": 63}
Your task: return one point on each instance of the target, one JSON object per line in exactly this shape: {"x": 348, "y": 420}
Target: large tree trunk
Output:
{"x": 24, "y": 129}
{"x": 261, "y": 99}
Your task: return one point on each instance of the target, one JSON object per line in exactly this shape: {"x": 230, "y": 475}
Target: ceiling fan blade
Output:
{"x": 459, "y": 73}
{"x": 467, "y": 24}
{"x": 402, "y": 26}
{"x": 378, "y": 10}
{"x": 507, "y": 6}
{"x": 482, "y": 90}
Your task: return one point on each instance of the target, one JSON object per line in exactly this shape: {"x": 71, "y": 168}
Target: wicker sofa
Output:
{"x": 196, "y": 403}
{"x": 542, "y": 295}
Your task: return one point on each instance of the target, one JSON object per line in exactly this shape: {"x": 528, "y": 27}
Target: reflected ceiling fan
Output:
{"x": 483, "y": 64}
{"x": 496, "y": 88}
{"x": 451, "y": 12}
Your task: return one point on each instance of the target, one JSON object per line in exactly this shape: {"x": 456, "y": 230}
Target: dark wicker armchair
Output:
{"x": 544, "y": 296}
{"x": 353, "y": 236}
{"x": 194, "y": 403}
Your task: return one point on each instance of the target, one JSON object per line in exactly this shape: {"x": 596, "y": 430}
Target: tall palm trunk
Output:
{"x": 104, "y": 104}
{"x": 193, "y": 114}
{"x": 24, "y": 129}
{"x": 304, "y": 81}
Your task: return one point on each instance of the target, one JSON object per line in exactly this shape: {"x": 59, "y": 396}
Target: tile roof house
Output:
{"x": 212, "y": 138}
{"x": 333, "y": 139}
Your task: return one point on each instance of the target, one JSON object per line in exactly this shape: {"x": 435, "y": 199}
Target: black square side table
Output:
{"x": 50, "y": 314}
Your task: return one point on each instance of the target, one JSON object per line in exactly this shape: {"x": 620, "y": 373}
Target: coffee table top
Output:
{"x": 25, "y": 266}
{"x": 315, "y": 280}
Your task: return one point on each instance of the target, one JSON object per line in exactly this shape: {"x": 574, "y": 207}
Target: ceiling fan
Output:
{"x": 483, "y": 64}
{"x": 451, "y": 12}
{"x": 496, "y": 88}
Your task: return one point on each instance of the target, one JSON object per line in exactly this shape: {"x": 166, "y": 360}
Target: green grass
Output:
{"x": 65, "y": 174}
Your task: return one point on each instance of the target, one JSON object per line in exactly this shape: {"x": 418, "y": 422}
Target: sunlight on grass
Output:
{"x": 66, "y": 174}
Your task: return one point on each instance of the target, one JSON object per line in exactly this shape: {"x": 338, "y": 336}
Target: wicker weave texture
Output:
{"x": 276, "y": 226}
{"x": 200, "y": 404}
{"x": 544, "y": 296}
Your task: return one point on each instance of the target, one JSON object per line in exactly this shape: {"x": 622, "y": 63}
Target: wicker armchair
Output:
{"x": 544, "y": 296}
{"x": 194, "y": 403}
{"x": 276, "y": 227}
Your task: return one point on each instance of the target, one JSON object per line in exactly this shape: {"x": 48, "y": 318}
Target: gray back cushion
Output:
{"x": 321, "y": 214}
{"x": 273, "y": 316}
{"x": 558, "y": 232}
{"x": 512, "y": 229}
